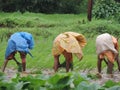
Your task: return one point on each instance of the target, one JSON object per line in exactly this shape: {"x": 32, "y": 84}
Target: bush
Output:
{"x": 44, "y": 6}
{"x": 117, "y": 17}
{"x": 105, "y": 8}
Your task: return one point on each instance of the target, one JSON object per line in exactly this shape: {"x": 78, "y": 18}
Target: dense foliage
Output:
{"x": 58, "y": 81}
{"x": 44, "y": 28}
{"x": 16, "y": 20}
{"x": 44, "y": 6}
{"x": 106, "y": 8}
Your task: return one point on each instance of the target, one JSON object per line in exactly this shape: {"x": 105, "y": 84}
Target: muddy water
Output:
{"x": 11, "y": 72}
{"x": 105, "y": 77}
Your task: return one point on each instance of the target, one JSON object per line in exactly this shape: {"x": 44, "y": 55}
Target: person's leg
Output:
{"x": 110, "y": 67}
{"x": 117, "y": 59}
{"x": 69, "y": 60}
{"x": 4, "y": 65}
{"x": 56, "y": 62}
{"x": 10, "y": 57}
{"x": 23, "y": 58}
{"x": 99, "y": 64}
{"x": 110, "y": 57}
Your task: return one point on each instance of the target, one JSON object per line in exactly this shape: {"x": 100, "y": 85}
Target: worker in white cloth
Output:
{"x": 19, "y": 42}
{"x": 107, "y": 47}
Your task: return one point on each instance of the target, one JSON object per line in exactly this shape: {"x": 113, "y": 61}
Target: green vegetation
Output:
{"x": 45, "y": 27}
{"x": 106, "y": 9}
{"x": 44, "y": 6}
{"x": 58, "y": 81}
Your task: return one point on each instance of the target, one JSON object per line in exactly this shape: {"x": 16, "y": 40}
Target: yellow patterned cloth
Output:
{"x": 71, "y": 42}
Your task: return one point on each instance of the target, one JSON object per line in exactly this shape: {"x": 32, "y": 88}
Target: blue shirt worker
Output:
{"x": 20, "y": 42}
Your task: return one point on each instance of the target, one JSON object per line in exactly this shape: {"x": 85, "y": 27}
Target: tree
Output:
{"x": 90, "y": 10}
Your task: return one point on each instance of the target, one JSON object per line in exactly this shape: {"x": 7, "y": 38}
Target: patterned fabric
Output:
{"x": 107, "y": 45}
{"x": 71, "y": 42}
{"x": 109, "y": 54}
{"x": 19, "y": 41}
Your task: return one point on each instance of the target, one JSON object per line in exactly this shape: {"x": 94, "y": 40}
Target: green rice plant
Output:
{"x": 45, "y": 27}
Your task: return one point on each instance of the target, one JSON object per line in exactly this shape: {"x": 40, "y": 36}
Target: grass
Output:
{"x": 45, "y": 27}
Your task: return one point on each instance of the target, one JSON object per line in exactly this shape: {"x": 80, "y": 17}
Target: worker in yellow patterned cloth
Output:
{"x": 107, "y": 47}
{"x": 67, "y": 43}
